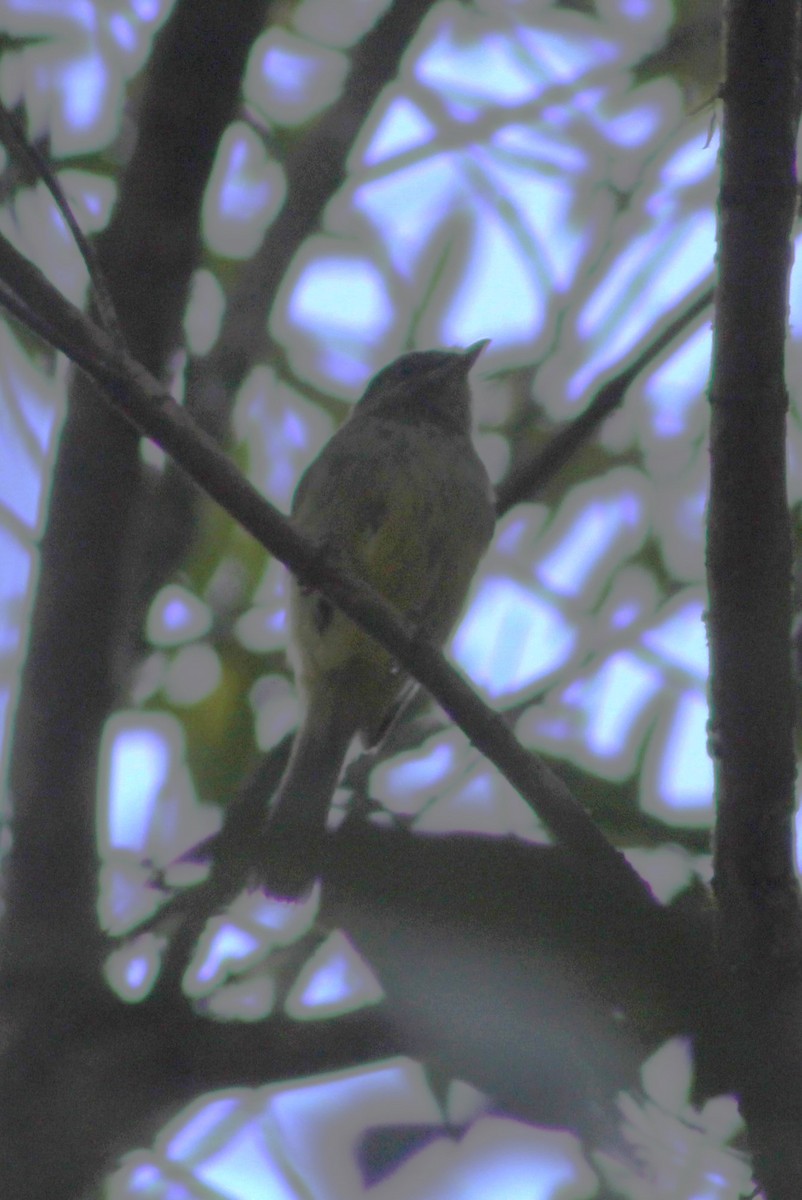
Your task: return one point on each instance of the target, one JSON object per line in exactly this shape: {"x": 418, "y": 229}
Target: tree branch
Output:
{"x": 38, "y": 167}
{"x": 315, "y": 167}
{"x": 548, "y": 943}
{"x": 749, "y": 576}
{"x": 141, "y": 399}
{"x": 528, "y": 478}
{"x": 80, "y": 638}
{"x": 314, "y": 164}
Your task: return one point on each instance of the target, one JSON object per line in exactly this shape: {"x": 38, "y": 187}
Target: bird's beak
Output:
{"x": 471, "y": 353}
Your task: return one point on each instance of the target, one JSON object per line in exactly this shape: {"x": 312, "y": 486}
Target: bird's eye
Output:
{"x": 396, "y": 372}
{"x": 406, "y": 367}
{"x": 414, "y": 365}
{"x": 420, "y": 362}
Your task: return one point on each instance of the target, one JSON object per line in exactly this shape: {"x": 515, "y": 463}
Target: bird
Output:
{"x": 400, "y": 498}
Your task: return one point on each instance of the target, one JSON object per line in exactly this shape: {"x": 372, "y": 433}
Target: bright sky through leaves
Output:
{"x": 516, "y": 181}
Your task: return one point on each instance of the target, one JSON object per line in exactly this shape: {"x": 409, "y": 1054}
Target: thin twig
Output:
{"x": 31, "y": 156}
{"x": 529, "y": 478}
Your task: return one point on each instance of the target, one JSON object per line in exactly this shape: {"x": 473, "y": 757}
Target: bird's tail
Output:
{"x": 296, "y": 821}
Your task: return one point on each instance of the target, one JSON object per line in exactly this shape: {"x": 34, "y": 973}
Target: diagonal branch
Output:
{"x": 140, "y": 398}
{"x": 528, "y": 478}
{"x": 315, "y": 167}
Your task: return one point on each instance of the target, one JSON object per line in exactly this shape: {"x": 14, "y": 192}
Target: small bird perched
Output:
{"x": 401, "y": 499}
